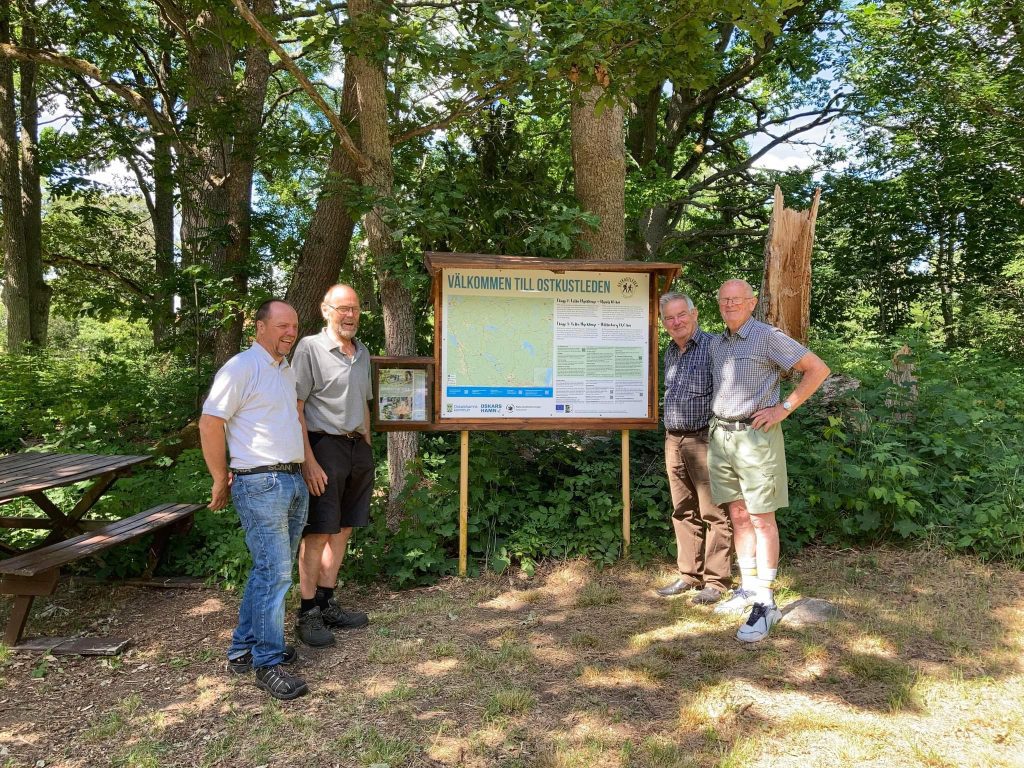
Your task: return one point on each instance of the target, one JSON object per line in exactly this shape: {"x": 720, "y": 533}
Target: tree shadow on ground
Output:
{"x": 576, "y": 667}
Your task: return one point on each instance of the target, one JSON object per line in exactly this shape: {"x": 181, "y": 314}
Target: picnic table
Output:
{"x": 36, "y": 570}
{"x": 31, "y": 474}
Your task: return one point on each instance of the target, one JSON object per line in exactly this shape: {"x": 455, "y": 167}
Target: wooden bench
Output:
{"x": 36, "y": 572}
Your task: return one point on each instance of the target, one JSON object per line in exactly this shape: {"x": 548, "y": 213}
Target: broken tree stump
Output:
{"x": 785, "y": 298}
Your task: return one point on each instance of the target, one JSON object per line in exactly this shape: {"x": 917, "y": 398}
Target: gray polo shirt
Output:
{"x": 333, "y": 386}
{"x": 746, "y": 367}
{"x": 255, "y": 395}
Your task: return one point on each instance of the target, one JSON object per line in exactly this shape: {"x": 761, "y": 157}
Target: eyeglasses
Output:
{"x": 344, "y": 310}
{"x": 673, "y": 319}
{"x": 730, "y": 302}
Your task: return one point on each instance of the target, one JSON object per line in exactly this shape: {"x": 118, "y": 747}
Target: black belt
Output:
{"x": 736, "y": 425}
{"x": 685, "y": 433}
{"x": 346, "y": 435}
{"x": 292, "y": 469}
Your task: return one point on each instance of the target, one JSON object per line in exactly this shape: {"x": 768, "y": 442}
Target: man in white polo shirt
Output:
{"x": 251, "y": 407}
{"x": 332, "y": 373}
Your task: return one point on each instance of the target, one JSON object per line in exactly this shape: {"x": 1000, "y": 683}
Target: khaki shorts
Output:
{"x": 748, "y": 464}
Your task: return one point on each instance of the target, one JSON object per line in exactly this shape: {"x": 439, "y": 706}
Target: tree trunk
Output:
{"x": 643, "y": 127}
{"x": 330, "y": 230}
{"x": 250, "y": 97}
{"x": 203, "y": 170}
{"x": 944, "y": 276}
{"x": 17, "y": 285}
{"x": 31, "y": 194}
{"x": 399, "y": 336}
{"x": 162, "y": 318}
{"x": 599, "y": 165}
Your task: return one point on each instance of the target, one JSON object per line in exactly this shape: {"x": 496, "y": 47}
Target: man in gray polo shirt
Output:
{"x": 251, "y": 407}
{"x": 746, "y": 454}
{"x": 332, "y": 371}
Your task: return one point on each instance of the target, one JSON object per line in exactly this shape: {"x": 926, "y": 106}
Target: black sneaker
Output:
{"x": 336, "y": 617}
{"x": 311, "y": 630}
{"x": 280, "y": 684}
{"x": 243, "y": 664}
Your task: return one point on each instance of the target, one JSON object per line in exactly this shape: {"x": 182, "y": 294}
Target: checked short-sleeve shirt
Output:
{"x": 688, "y": 384}
{"x": 747, "y": 367}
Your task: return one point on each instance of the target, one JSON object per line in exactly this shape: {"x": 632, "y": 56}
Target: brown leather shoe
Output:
{"x": 707, "y": 596}
{"x": 677, "y": 587}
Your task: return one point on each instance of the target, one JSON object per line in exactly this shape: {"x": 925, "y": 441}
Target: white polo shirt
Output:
{"x": 255, "y": 395}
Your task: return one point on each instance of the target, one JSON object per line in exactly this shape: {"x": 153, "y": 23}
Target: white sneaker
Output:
{"x": 760, "y": 621}
{"x": 739, "y": 602}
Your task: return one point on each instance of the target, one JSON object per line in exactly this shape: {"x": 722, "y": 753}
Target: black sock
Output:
{"x": 323, "y": 594}
{"x": 307, "y": 605}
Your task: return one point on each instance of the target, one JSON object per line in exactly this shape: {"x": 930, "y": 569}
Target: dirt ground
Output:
{"x": 573, "y": 667}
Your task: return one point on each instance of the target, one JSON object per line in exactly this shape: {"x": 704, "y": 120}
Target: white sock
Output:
{"x": 765, "y": 585}
{"x": 748, "y": 573}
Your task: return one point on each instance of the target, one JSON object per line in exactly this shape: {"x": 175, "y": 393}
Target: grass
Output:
{"x": 115, "y": 721}
{"x": 922, "y": 668}
{"x": 509, "y": 701}
{"x": 595, "y": 594}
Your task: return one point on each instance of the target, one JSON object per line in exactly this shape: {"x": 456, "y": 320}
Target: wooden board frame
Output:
{"x": 379, "y": 363}
{"x": 660, "y": 275}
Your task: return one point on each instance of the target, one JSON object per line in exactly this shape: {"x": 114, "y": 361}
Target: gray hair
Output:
{"x": 668, "y": 298}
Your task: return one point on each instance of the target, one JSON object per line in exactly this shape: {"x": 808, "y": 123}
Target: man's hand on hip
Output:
{"x": 315, "y": 477}
{"x": 767, "y": 418}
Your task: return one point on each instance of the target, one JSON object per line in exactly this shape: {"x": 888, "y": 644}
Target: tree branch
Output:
{"x": 463, "y": 110}
{"x": 112, "y": 124}
{"x": 54, "y": 259}
{"x": 825, "y": 116}
{"x": 705, "y": 234}
{"x": 137, "y": 101}
{"x": 363, "y": 163}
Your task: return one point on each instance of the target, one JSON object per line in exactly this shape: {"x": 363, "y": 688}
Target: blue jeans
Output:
{"x": 272, "y": 507}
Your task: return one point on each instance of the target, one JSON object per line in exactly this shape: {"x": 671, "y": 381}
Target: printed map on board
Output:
{"x": 500, "y": 342}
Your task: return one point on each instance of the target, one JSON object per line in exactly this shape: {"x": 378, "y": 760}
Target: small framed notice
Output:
{"x": 403, "y": 397}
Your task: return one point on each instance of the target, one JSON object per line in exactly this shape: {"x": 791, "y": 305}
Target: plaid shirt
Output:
{"x": 687, "y": 405}
{"x": 747, "y": 366}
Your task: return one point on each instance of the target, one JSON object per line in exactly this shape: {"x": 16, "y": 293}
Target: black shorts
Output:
{"x": 345, "y": 503}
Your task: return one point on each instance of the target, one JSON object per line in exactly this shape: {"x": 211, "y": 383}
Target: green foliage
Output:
{"x": 951, "y": 472}
{"x": 99, "y": 386}
{"x": 532, "y": 495}
{"x": 931, "y": 209}
{"x": 952, "y": 476}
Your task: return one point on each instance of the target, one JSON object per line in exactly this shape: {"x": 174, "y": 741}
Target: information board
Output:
{"x": 538, "y": 344}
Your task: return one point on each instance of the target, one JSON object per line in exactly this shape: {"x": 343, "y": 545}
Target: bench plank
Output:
{"x": 24, "y": 467}
{"x": 117, "y": 532}
{"x": 20, "y": 476}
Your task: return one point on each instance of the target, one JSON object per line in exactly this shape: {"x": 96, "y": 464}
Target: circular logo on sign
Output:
{"x": 628, "y": 286}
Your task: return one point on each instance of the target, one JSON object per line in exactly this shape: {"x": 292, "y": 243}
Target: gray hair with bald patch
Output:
{"x": 338, "y": 287}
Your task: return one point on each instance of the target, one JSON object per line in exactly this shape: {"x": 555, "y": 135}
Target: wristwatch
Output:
{"x": 786, "y": 405}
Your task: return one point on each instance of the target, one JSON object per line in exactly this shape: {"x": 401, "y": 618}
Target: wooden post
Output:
{"x": 463, "y": 502}
{"x": 625, "y": 492}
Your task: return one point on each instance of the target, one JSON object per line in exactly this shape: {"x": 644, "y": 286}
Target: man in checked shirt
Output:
{"x": 747, "y": 456}
{"x": 703, "y": 532}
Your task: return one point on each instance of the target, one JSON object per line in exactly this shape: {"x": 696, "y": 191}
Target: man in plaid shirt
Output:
{"x": 747, "y": 456}
{"x": 703, "y": 533}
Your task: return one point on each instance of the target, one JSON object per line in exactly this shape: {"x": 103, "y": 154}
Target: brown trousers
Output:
{"x": 702, "y": 528}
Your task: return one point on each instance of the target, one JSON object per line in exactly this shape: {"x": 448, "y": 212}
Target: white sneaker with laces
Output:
{"x": 739, "y": 602}
{"x": 762, "y": 618}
